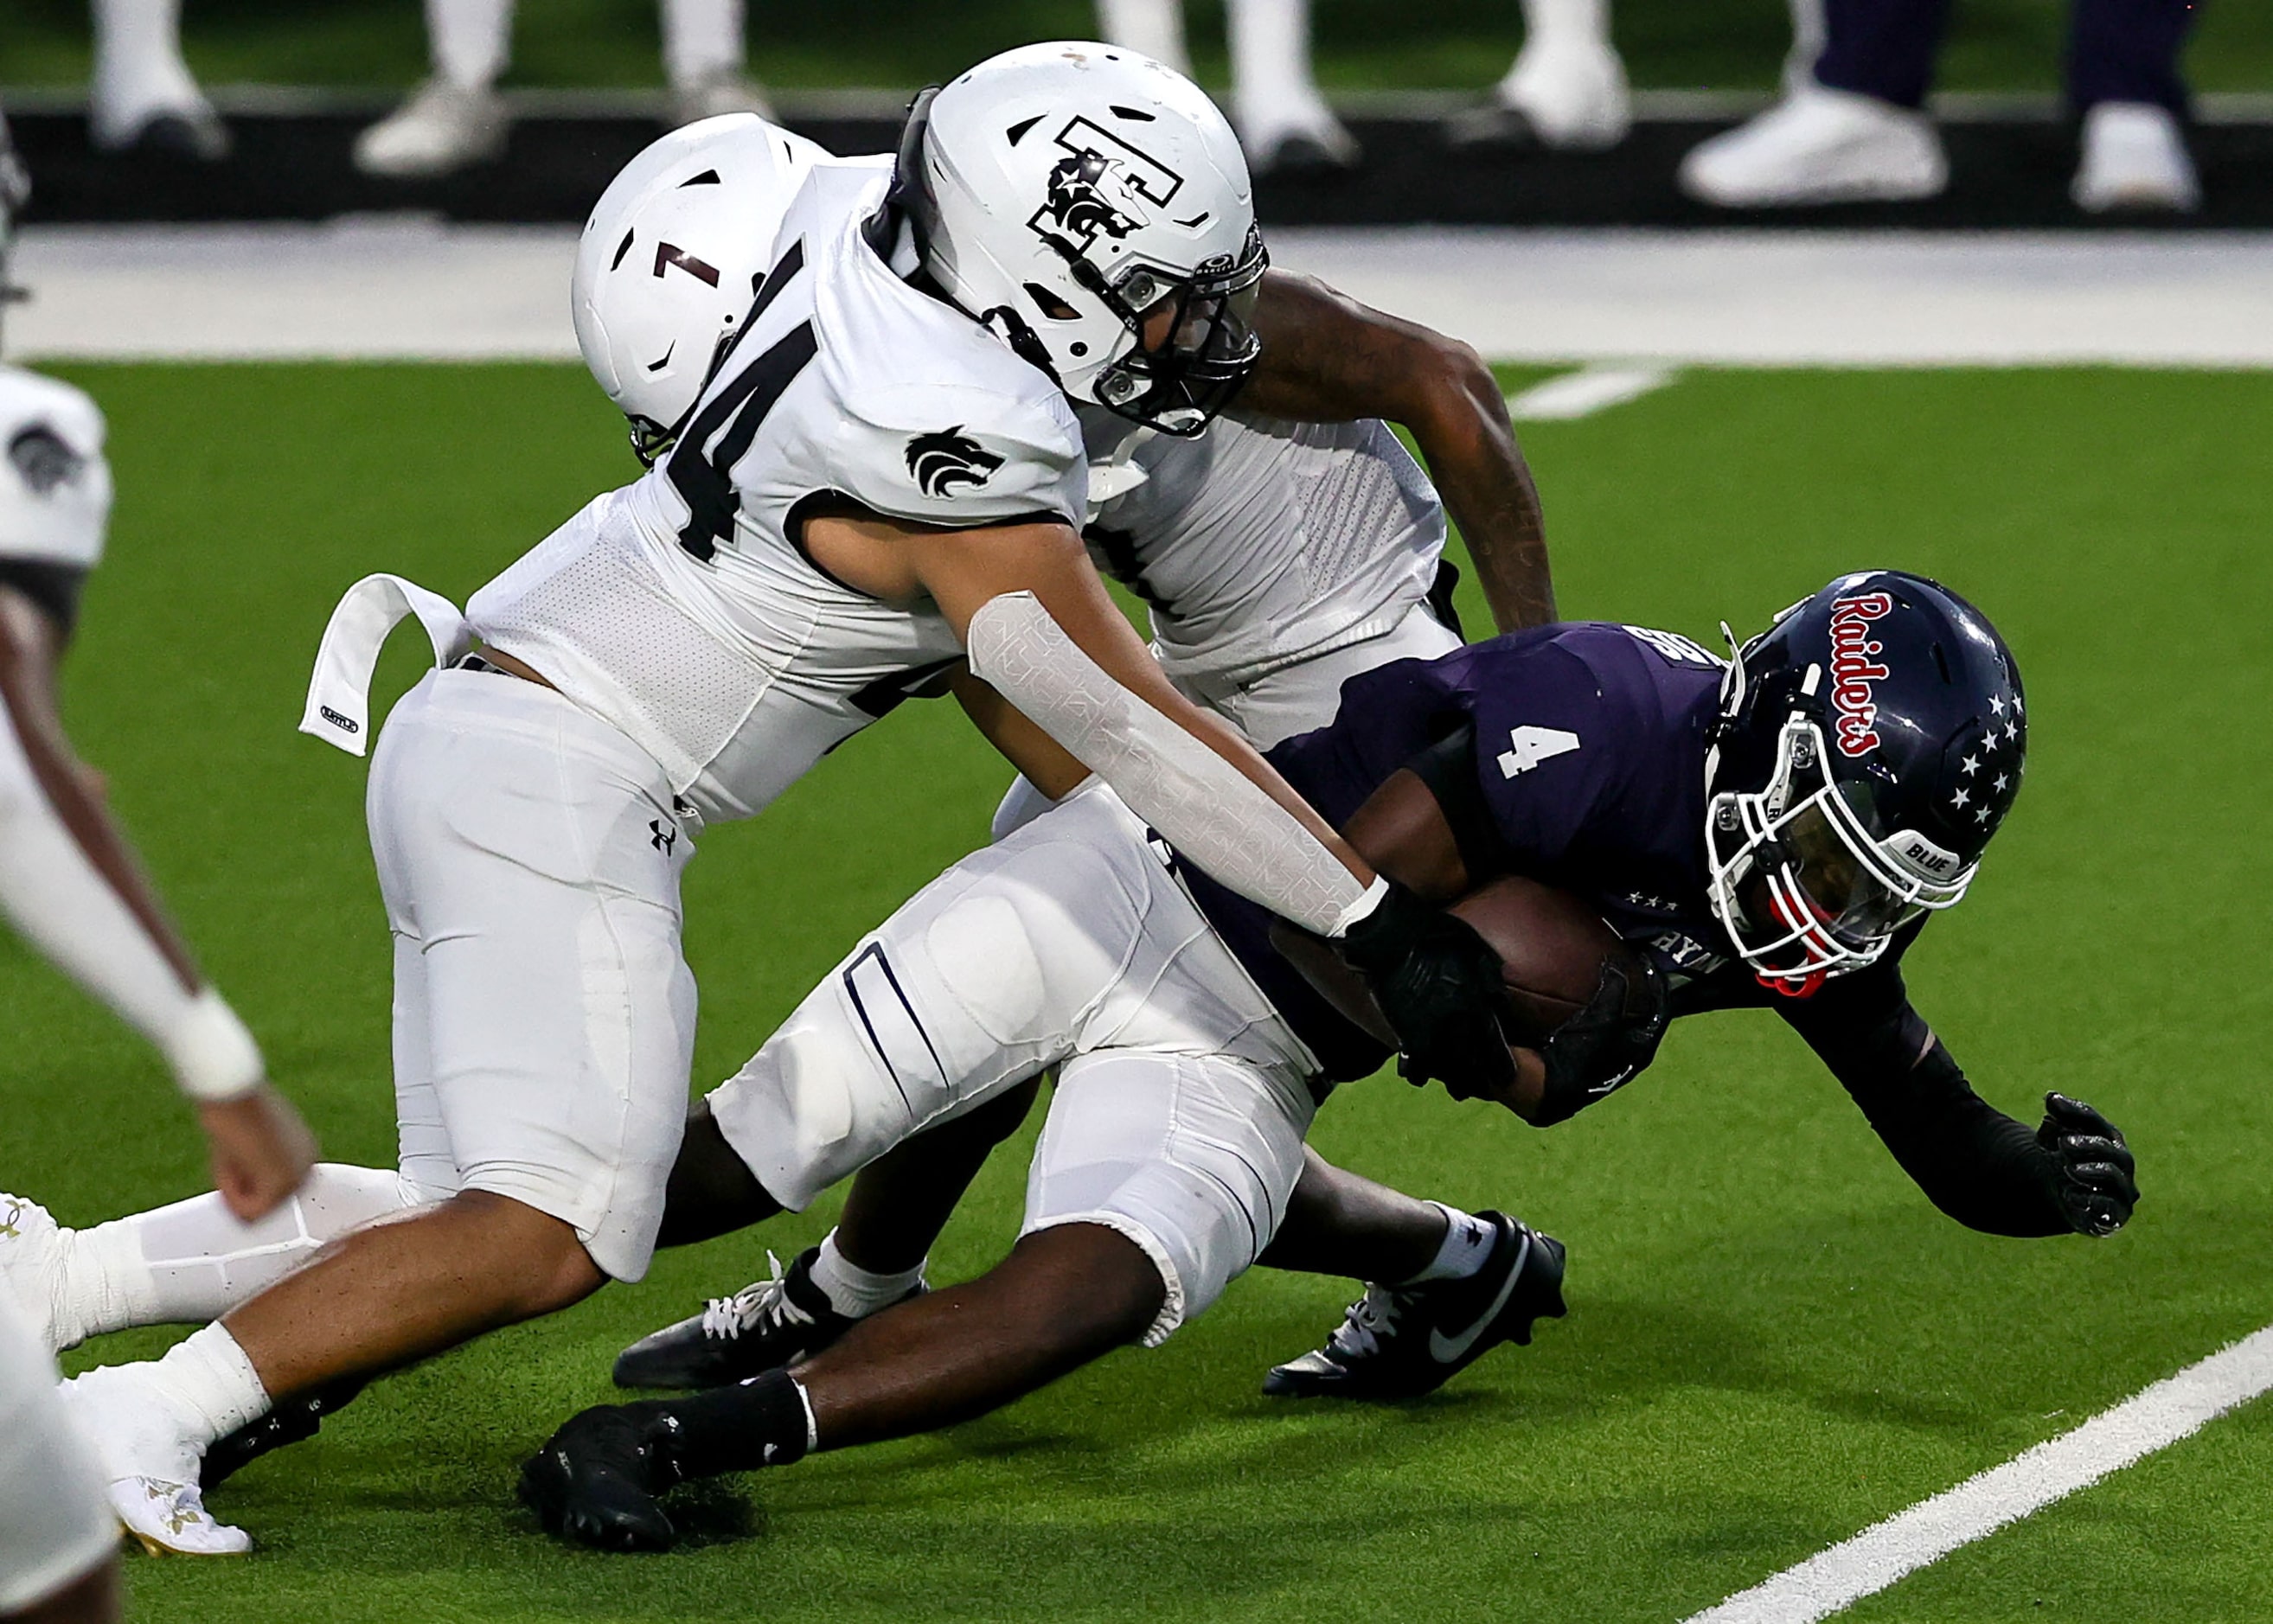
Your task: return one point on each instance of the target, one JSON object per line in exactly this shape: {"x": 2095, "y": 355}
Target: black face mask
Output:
{"x": 1211, "y": 347}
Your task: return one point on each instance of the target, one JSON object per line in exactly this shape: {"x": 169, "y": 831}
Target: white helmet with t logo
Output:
{"x": 1094, "y": 207}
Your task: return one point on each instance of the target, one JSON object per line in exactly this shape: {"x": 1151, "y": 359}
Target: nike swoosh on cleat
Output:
{"x": 1445, "y": 1348}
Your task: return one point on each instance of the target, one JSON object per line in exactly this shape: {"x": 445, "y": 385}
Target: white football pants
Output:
{"x": 529, "y": 859}
{"x": 56, "y": 1525}
{"x": 1181, "y": 1096}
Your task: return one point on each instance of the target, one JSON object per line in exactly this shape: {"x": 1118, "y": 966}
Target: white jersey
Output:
{"x": 1262, "y": 543}
{"x": 55, "y": 486}
{"x": 681, "y": 608}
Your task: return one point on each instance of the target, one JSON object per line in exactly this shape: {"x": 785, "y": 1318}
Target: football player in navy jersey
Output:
{"x": 1776, "y": 831}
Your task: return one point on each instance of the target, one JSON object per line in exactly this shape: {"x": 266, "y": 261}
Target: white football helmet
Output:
{"x": 672, "y": 255}
{"x": 1094, "y": 207}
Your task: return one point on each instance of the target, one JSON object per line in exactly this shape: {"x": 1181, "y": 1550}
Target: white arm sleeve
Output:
{"x": 1205, "y": 807}
{"x": 59, "y": 900}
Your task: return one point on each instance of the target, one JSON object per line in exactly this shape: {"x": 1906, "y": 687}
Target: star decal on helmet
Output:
{"x": 946, "y": 459}
{"x": 1103, "y": 187}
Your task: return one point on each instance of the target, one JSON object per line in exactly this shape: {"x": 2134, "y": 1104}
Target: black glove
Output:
{"x": 2093, "y": 1166}
{"x": 1609, "y": 1043}
{"x": 1440, "y": 986}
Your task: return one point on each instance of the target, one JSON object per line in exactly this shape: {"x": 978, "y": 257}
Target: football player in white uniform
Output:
{"x": 1278, "y": 558}
{"x": 882, "y": 481}
{"x": 70, "y": 882}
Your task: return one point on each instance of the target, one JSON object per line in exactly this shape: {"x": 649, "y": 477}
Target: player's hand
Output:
{"x": 261, "y": 1151}
{"x": 1440, "y": 987}
{"x": 2097, "y": 1189}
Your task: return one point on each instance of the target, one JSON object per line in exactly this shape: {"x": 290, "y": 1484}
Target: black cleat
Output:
{"x": 1400, "y": 1341}
{"x": 597, "y": 1480}
{"x": 765, "y": 1326}
{"x": 292, "y": 1421}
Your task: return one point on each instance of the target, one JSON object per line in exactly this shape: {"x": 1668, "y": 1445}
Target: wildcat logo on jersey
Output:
{"x": 1855, "y": 670}
{"x": 1100, "y": 188}
{"x": 947, "y": 457}
{"x": 44, "y": 460}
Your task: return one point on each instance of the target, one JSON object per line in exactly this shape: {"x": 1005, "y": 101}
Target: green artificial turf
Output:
{"x": 1359, "y": 44}
{"x": 1773, "y": 1339}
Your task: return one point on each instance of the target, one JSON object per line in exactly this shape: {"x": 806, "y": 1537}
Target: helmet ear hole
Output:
{"x": 1050, "y": 305}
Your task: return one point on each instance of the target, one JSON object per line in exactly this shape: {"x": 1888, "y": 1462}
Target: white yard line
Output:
{"x": 1583, "y": 394}
{"x": 1836, "y": 1579}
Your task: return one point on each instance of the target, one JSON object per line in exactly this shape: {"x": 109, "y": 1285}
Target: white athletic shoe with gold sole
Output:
{"x": 149, "y": 1465}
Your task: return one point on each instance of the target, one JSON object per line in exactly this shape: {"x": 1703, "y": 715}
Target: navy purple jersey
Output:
{"x": 1574, "y": 754}
{"x": 1579, "y": 751}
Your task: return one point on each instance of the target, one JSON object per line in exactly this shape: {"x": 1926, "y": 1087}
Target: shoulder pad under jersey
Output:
{"x": 55, "y": 486}
{"x": 937, "y": 421}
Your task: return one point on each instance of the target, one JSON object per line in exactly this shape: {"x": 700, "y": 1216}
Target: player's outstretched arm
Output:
{"x": 1327, "y": 358}
{"x": 2074, "y": 1174}
{"x": 70, "y": 881}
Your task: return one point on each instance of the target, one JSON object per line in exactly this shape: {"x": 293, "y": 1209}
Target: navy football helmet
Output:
{"x": 1869, "y": 744}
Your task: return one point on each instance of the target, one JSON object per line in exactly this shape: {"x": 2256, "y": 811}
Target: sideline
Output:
{"x": 403, "y": 287}
{"x": 2174, "y": 1408}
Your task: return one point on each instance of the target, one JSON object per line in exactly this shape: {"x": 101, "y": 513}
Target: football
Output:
{"x": 1551, "y": 946}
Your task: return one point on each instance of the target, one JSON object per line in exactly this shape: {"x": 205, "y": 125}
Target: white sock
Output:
{"x": 209, "y": 1382}
{"x": 852, "y": 1290}
{"x": 1270, "y": 83}
{"x": 1576, "y": 22}
{"x": 194, "y": 1262}
{"x": 138, "y": 68}
{"x": 1467, "y": 1243}
{"x": 468, "y": 39}
{"x": 701, "y": 40}
{"x": 1153, "y": 27}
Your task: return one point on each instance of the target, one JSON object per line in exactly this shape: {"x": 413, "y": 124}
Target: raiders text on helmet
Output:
{"x": 1094, "y": 206}
{"x": 1870, "y": 744}
{"x": 672, "y": 256}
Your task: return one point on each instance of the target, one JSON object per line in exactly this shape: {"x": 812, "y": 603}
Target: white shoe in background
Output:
{"x": 1299, "y": 139}
{"x": 1819, "y": 145}
{"x": 442, "y": 127}
{"x": 720, "y": 92}
{"x": 149, "y": 1460}
{"x": 1572, "y": 91}
{"x": 2134, "y": 157}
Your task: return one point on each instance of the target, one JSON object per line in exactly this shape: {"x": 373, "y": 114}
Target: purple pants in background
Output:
{"x": 2118, "y": 50}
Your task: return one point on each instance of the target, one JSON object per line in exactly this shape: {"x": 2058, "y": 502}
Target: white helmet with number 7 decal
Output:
{"x": 1094, "y": 207}
{"x": 671, "y": 258}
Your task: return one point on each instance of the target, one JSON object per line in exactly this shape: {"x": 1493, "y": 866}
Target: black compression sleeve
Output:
{"x": 1448, "y": 769}
{"x": 1975, "y": 1163}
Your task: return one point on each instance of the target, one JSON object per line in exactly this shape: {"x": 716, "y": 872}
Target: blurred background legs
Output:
{"x": 1154, "y": 28}
{"x": 2123, "y": 80}
{"x": 1851, "y": 127}
{"x": 143, "y": 98}
{"x": 1283, "y": 121}
{"x": 1567, "y": 88}
{"x": 702, "y": 56}
{"x": 456, "y": 117}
